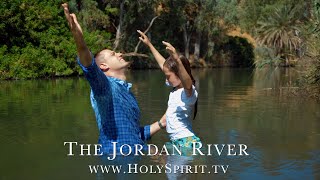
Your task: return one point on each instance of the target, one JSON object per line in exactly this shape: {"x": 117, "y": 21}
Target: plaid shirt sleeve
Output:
{"x": 96, "y": 78}
{"x": 145, "y": 133}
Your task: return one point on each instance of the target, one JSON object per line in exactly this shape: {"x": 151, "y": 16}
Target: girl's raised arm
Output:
{"x": 183, "y": 74}
{"x": 160, "y": 59}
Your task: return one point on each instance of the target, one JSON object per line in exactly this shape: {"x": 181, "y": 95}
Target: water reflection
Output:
{"x": 235, "y": 106}
{"x": 278, "y": 130}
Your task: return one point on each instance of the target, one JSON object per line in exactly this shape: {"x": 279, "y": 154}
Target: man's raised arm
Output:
{"x": 83, "y": 51}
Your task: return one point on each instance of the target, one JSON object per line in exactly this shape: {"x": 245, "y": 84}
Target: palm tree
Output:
{"x": 281, "y": 32}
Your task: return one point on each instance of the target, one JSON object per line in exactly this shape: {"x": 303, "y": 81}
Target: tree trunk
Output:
{"x": 119, "y": 28}
{"x": 186, "y": 40}
{"x": 197, "y": 46}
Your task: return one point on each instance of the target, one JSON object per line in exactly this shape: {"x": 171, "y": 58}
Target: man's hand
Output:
{"x": 172, "y": 51}
{"x": 72, "y": 21}
{"x": 144, "y": 38}
{"x": 83, "y": 51}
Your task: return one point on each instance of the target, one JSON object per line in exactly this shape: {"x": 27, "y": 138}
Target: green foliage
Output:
{"x": 91, "y": 17}
{"x": 281, "y": 31}
{"x": 266, "y": 56}
{"x": 250, "y": 12}
{"x": 237, "y": 50}
{"x": 36, "y": 40}
{"x": 311, "y": 52}
{"x": 137, "y": 16}
{"x": 242, "y": 52}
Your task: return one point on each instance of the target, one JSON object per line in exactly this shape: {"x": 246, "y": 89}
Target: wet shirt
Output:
{"x": 179, "y": 113}
{"x": 116, "y": 109}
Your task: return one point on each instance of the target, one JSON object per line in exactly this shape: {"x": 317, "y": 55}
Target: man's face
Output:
{"x": 114, "y": 60}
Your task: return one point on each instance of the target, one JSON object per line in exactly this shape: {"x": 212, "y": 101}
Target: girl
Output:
{"x": 182, "y": 104}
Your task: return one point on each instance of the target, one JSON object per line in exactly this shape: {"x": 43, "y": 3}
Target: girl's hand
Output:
{"x": 172, "y": 51}
{"x": 144, "y": 38}
{"x": 160, "y": 59}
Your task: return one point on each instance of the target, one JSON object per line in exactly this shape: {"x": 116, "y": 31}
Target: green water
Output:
{"x": 235, "y": 106}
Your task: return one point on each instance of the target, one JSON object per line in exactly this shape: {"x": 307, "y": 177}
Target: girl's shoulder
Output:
{"x": 180, "y": 94}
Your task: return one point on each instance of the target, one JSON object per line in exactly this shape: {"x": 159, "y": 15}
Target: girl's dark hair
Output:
{"x": 172, "y": 65}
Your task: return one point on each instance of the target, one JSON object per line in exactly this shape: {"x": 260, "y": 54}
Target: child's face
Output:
{"x": 173, "y": 79}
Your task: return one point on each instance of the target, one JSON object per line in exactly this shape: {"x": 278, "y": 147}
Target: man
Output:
{"x": 116, "y": 109}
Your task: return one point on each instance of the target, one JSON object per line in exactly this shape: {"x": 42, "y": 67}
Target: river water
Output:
{"x": 235, "y": 106}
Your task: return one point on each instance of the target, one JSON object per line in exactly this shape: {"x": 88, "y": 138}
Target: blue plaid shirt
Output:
{"x": 116, "y": 109}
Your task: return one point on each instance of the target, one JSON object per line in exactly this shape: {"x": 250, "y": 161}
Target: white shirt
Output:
{"x": 180, "y": 113}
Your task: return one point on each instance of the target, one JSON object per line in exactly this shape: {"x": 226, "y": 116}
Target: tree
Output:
{"x": 281, "y": 31}
{"x": 36, "y": 41}
{"x": 215, "y": 18}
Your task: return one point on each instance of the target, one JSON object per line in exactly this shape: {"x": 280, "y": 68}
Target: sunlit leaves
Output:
{"x": 281, "y": 31}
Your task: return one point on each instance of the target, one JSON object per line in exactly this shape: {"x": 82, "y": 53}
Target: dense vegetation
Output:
{"x": 36, "y": 42}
